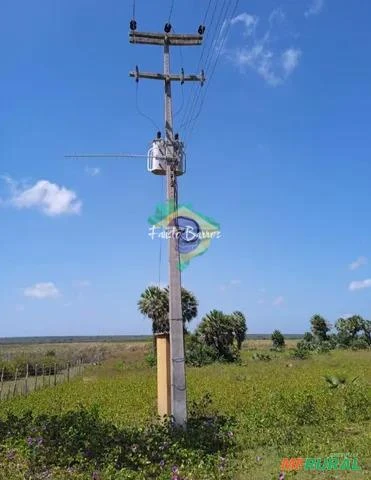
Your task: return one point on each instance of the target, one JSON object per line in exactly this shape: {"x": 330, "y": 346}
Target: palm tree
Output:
{"x": 240, "y": 327}
{"x": 189, "y": 305}
{"x": 218, "y": 332}
{"x": 154, "y": 304}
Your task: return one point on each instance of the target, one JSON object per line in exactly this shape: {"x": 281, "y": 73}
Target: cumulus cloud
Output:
{"x": 360, "y": 284}
{"x": 260, "y": 53}
{"x": 42, "y": 291}
{"x": 358, "y": 263}
{"x": 315, "y": 8}
{"x": 49, "y": 198}
{"x": 92, "y": 171}
{"x": 278, "y": 301}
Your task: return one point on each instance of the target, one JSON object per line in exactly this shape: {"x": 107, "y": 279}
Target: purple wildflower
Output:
{"x": 10, "y": 455}
{"x": 281, "y": 476}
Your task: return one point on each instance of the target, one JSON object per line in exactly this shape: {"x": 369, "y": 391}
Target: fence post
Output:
{"x": 49, "y": 375}
{"x": 68, "y": 371}
{"x": 55, "y": 374}
{"x": 15, "y": 381}
{"x": 2, "y": 383}
{"x": 26, "y": 381}
{"x": 36, "y": 367}
{"x": 43, "y": 375}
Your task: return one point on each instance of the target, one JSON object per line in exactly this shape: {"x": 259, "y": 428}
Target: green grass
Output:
{"x": 283, "y": 407}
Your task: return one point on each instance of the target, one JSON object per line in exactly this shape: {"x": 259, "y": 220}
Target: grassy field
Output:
{"x": 282, "y": 407}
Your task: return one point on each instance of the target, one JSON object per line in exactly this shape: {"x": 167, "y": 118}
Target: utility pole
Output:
{"x": 177, "y": 360}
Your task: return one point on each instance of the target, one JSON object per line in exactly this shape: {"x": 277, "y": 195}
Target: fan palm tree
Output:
{"x": 154, "y": 304}
{"x": 240, "y": 327}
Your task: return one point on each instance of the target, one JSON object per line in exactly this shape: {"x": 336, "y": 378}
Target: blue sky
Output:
{"x": 279, "y": 156}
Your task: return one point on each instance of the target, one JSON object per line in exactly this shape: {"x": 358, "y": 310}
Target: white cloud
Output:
{"x": 92, "y": 171}
{"x": 315, "y": 8}
{"x": 358, "y": 263}
{"x": 250, "y": 22}
{"x": 360, "y": 284}
{"x": 260, "y": 54}
{"x": 42, "y": 290}
{"x": 278, "y": 301}
{"x": 45, "y": 196}
{"x": 277, "y": 15}
{"x": 290, "y": 60}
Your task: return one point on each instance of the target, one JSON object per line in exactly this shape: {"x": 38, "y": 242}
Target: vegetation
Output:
{"x": 351, "y": 332}
{"x": 222, "y": 334}
{"x": 154, "y": 304}
{"x": 278, "y": 340}
{"x": 104, "y": 426}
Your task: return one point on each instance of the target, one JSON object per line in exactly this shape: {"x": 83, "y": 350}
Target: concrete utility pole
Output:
{"x": 177, "y": 366}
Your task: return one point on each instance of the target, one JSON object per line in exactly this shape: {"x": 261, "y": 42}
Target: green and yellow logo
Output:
{"x": 192, "y": 230}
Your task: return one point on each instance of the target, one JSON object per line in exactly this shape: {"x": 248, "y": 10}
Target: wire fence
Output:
{"x": 24, "y": 381}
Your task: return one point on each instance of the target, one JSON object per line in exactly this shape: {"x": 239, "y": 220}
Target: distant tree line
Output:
{"x": 353, "y": 332}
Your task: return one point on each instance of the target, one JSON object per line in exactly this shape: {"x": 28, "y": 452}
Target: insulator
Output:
{"x": 167, "y": 28}
{"x": 201, "y": 29}
{"x": 133, "y": 25}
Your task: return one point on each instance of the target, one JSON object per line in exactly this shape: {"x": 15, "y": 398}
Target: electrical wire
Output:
{"x": 222, "y": 40}
{"x": 171, "y": 10}
{"x": 142, "y": 113}
{"x": 133, "y": 9}
{"x": 211, "y": 50}
{"x": 206, "y": 13}
{"x": 160, "y": 239}
{"x": 194, "y": 91}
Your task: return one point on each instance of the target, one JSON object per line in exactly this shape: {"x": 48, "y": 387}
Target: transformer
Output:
{"x": 156, "y": 158}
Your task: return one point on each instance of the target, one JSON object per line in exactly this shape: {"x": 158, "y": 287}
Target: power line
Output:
{"x": 215, "y": 42}
{"x": 194, "y": 91}
{"x": 221, "y": 46}
{"x": 210, "y": 52}
{"x": 141, "y": 112}
{"x": 171, "y": 10}
{"x": 206, "y": 13}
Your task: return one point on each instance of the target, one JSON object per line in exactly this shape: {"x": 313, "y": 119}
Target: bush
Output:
{"x": 300, "y": 352}
{"x": 359, "y": 344}
{"x": 197, "y": 352}
{"x": 278, "y": 340}
{"x": 262, "y": 356}
{"x": 151, "y": 359}
{"x": 83, "y": 444}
